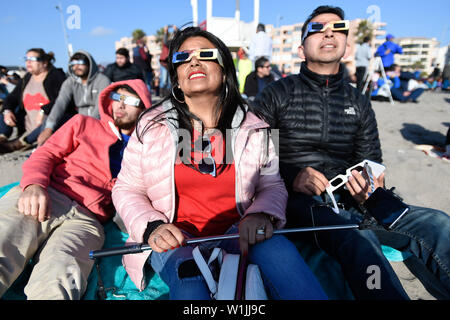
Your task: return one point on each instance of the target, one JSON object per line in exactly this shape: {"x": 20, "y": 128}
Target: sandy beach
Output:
{"x": 420, "y": 179}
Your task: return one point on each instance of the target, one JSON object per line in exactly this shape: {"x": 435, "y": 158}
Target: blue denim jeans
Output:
{"x": 355, "y": 250}
{"x": 164, "y": 80}
{"x": 285, "y": 274}
{"x": 425, "y": 233}
{"x": 397, "y": 94}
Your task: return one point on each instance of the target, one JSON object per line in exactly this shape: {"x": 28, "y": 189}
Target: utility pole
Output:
{"x": 68, "y": 45}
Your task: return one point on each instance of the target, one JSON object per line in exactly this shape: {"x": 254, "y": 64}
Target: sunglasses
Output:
{"x": 77, "y": 62}
{"x": 372, "y": 169}
{"x": 32, "y": 59}
{"x": 313, "y": 27}
{"x": 201, "y": 54}
{"x": 131, "y": 101}
{"x": 207, "y": 165}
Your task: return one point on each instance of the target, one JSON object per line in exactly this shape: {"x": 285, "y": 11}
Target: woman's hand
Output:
{"x": 40, "y": 118}
{"x": 248, "y": 230}
{"x": 9, "y": 118}
{"x": 165, "y": 237}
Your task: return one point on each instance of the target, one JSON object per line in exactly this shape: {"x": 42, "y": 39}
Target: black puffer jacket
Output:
{"x": 324, "y": 123}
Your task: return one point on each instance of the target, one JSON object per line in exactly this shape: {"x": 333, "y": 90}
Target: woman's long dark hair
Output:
{"x": 230, "y": 97}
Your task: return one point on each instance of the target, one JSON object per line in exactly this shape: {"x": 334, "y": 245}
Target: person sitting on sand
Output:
{"x": 55, "y": 216}
{"x": 327, "y": 126}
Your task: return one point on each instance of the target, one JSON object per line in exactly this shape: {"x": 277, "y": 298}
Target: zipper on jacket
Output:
{"x": 326, "y": 92}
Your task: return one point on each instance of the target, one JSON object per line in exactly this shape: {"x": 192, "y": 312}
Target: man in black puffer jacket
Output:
{"x": 326, "y": 126}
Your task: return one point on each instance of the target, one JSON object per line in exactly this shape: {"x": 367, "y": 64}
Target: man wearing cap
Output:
{"x": 55, "y": 216}
{"x": 123, "y": 69}
{"x": 78, "y": 94}
{"x": 325, "y": 127}
{"x": 387, "y": 50}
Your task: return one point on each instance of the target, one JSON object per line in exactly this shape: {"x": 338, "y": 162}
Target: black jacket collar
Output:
{"x": 319, "y": 80}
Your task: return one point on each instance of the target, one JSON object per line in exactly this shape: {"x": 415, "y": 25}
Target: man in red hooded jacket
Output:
{"x": 56, "y": 215}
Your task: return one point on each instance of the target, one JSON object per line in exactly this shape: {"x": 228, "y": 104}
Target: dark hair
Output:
{"x": 81, "y": 56}
{"x": 321, "y": 10}
{"x": 260, "y": 62}
{"x": 260, "y": 27}
{"x": 230, "y": 97}
{"x": 47, "y": 57}
{"x": 229, "y": 101}
{"x": 366, "y": 39}
{"x": 126, "y": 87}
{"x": 123, "y": 52}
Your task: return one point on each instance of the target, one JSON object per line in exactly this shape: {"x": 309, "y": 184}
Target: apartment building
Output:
{"x": 287, "y": 39}
{"x": 417, "y": 50}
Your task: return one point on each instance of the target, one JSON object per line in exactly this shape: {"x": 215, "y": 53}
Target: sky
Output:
{"x": 95, "y": 25}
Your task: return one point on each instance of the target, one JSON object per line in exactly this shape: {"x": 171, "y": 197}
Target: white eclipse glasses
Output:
{"x": 131, "y": 101}
{"x": 372, "y": 168}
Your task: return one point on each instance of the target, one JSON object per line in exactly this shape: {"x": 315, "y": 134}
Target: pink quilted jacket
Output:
{"x": 145, "y": 188}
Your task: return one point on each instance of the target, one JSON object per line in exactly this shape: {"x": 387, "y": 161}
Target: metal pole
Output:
{"x": 138, "y": 248}
{"x": 59, "y": 8}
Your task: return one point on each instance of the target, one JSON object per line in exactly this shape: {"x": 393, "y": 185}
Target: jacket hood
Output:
{"x": 93, "y": 67}
{"x": 105, "y": 102}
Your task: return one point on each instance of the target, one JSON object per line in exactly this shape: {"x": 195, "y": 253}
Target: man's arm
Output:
{"x": 60, "y": 106}
{"x": 34, "y": 200}
{"x": 367, "y": 141}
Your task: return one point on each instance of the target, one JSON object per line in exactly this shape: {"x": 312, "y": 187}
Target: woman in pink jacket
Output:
{"x": 200, "y": 164}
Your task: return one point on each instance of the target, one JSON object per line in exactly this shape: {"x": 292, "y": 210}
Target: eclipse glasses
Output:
{"x": 201, "y": 54}
{"x": 373, "y": 169}
{"x": 131, "y": 101}
{"x": 313, "y": 27}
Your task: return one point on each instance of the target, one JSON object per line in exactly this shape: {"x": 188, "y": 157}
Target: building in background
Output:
{"x": 418, "y": 53}
{"x": 287, "y": 39}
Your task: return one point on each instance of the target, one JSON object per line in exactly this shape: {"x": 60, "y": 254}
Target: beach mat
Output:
{"x": 118, "y": 285}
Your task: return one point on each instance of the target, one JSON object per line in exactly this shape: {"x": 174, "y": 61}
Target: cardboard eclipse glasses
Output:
{"x": 131, "y": 101}
{"x": 313, "y": 27}
{"x": 201, "y": 54}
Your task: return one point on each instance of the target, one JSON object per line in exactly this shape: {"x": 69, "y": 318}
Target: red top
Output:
{"x": 34, "y": 101}
{"x": 206, "y": 205}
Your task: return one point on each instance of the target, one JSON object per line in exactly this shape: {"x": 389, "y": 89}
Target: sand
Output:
{"x": 420, "y": 179}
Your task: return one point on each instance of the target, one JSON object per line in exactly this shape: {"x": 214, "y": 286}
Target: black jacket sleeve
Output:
{"x": 13, "y": 99}
{"x": 367, "y": 141}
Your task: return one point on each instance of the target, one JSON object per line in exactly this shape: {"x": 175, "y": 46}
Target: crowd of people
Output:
{"x": 203, "y": 161}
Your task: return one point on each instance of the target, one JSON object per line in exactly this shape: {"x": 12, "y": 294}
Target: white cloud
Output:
{"x": 101, "y": 31}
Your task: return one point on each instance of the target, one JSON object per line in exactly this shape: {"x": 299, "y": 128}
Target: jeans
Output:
{"x": 164, "y": 81}
{"x": 148, "y": 79}
{"x": 284, "y": 273}
{"x": 20, "y": 123}
{"x": 425, "y": 233}
{"x": 397, "y": 94}
{"x": 357, "y": 251}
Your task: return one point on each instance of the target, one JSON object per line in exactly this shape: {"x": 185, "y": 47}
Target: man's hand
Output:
{"x": 310, "y": 181}
{"x": 45, "y": 134}
{"x": 165, "y": 237}
{"x": 359, "y": 186}
{"x": 248, "y": 227}
{"x": 34, "y": 202}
